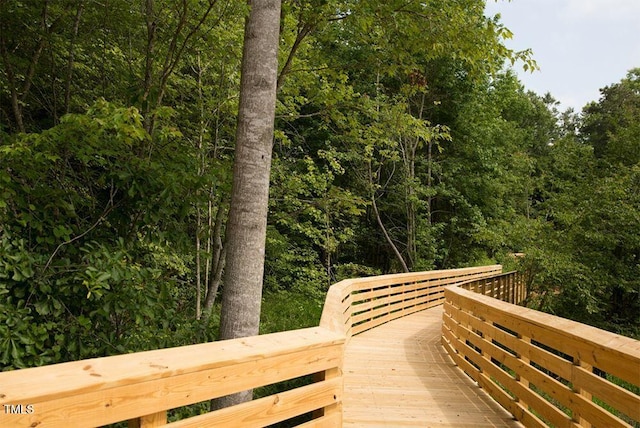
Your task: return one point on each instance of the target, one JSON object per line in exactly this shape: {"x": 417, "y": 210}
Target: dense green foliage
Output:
{"x": 402, "y": 142}
{"x": 587, "y": 263}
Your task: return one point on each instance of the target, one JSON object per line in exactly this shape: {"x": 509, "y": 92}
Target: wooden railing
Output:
{"x": 141, "y": 387}
{"x": 508, "y": 287}
{"x": 544, "y": 369}
{"x": 356, "y": 305}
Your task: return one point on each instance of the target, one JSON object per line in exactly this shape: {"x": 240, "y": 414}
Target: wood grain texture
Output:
{"x": 105, "y": 390}
{"x": 553, "y": 366}
{"x": 269, "y": 410}
{"x": 398, "y": 374}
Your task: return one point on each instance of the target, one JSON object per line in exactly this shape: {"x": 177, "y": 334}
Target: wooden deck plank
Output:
{"x": 399, "y": 375}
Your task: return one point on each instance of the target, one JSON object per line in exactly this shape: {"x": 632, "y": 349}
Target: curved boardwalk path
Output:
{"x": 398, "y": 374}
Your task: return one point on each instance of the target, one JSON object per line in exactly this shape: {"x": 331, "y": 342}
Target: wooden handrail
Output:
{"x": 141, "y": 387}
{"x": 542, "y": 368}
{"x": 356, "y": 305}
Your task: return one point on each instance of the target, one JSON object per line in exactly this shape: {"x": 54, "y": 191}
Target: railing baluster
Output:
{"x": 526, "y": 361}
{"x": 514, "y": 292}
{"x": 149, "y": 421}
{"x": 577, "y": 416}
{"x": 334, "y": 409}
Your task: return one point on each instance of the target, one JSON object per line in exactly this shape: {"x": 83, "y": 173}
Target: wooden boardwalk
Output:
{"x": 399, "y": 375}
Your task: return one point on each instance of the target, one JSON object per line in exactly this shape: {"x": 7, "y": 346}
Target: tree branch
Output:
{"x": 104, "y": 214}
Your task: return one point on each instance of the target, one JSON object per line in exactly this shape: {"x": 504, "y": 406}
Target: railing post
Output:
{"x": 333, "y": 409}
{"x": 526, "y": 362}
{"x": 505, "y": 288}
{"x": 577, "y": 417}
{"x": 512, "y": 288}
{"x": 149, "y": 421}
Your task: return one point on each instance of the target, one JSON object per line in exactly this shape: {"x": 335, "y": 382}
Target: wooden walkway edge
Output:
{"x": 399, "y": 375}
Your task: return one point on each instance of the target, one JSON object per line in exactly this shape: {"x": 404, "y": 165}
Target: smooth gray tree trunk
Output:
{"x": 247, "y": 225}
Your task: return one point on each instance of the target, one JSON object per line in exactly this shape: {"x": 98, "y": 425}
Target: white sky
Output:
{"x": 579, "y": 45}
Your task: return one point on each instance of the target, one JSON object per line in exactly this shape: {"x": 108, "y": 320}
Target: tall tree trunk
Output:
{"x": 247, "y": 225}
{"x": 201, "y": 169}
{"x": 409, "y": 146}
{"x": 374, "y": 205}
{"x": 410, "y": 201}
{"x": 386, "y": 235}
{"x": 198, "y": 264}
{"x": 218, "y": 260}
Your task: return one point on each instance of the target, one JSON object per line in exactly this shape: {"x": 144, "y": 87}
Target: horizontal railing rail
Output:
{"x": 353, "y": 306}
{"x": 546, "y": 370}
{"x": 140, "y": 387}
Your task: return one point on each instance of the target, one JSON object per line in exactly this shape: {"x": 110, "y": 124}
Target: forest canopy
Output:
{"x": 403, "y": 141}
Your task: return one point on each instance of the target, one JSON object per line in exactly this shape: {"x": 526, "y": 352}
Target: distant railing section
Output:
{"x": 356, "y": 305}
{"x": 508, "y": 287}
{"x": 546, "y": 370}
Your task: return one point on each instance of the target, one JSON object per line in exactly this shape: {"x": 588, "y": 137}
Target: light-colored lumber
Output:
{"x": 356, "y": 305}
{"x": 269, "y": 410}
{"x": 473, "y": 334}
{"x": 149, "y": 421}
{"x": 612, "y": 353}
{"x": 462, "y": 274}
{"x": 105, "y": 390}
{"x": 398, "y": 374}
{"x": 336, "y": 310}
{"x": 490, "y": 373}
{"x": 67, "y": 379}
